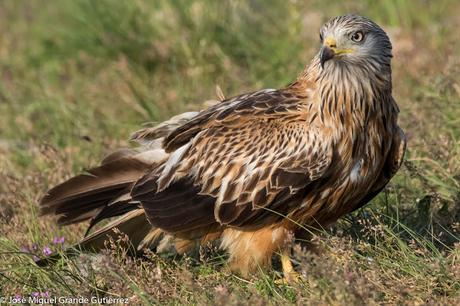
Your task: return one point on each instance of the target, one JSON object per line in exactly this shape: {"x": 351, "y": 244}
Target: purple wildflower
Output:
{"x": 58, "y": 240}
{"x": 47, "y": 251}
{"x": 24, "y": 249}
{"x": 35, "y": 294}
{"x": 34, "y": 247}
{"x": 45, "y": 294}
{"x": 35, "y": 258}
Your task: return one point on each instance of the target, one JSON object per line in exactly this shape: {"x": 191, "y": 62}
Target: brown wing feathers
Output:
{"x": 232, "y": 161}
{"x": 232, "y": 164}
{"x": 178, "y": 208}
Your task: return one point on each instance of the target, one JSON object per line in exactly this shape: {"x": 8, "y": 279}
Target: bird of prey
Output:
{"x": 250, "y": 170}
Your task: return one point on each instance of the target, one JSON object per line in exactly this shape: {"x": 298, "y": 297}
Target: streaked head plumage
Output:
{"x": 356, "y": 40}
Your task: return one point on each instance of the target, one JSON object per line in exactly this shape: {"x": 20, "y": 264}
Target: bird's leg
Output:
{"x": 290, "y": 275}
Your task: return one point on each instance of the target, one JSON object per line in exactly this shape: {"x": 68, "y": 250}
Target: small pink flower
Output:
{"x": 35, "y": 294}
{"x": 58, "y": 240}
{"x": 47, "y": 251}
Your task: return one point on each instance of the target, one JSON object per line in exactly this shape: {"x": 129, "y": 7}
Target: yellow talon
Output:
{"x": 290, "y": 275}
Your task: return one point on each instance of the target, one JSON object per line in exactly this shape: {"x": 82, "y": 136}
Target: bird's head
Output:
{"x": 354, "y": 40}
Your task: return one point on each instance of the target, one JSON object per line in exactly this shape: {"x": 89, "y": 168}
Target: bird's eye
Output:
{"x": 357, "y": 36}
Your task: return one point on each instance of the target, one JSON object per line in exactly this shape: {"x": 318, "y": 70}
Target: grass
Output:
{"x": 77, "y": 77}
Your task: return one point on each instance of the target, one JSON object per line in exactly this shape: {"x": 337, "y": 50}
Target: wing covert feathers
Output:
{"x": 237, "y": 160}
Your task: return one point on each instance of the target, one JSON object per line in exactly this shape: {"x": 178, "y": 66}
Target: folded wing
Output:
{"x": 245, "y": 162}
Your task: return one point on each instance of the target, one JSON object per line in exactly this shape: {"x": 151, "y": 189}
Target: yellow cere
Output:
{"x": 332, "y": 43}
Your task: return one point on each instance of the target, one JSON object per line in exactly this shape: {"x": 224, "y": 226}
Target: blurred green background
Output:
{"x": 77, "y": 77}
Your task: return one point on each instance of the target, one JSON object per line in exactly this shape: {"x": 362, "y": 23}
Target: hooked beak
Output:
{"x": 326, "y": 54}
{"x": 330, "y": 50}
